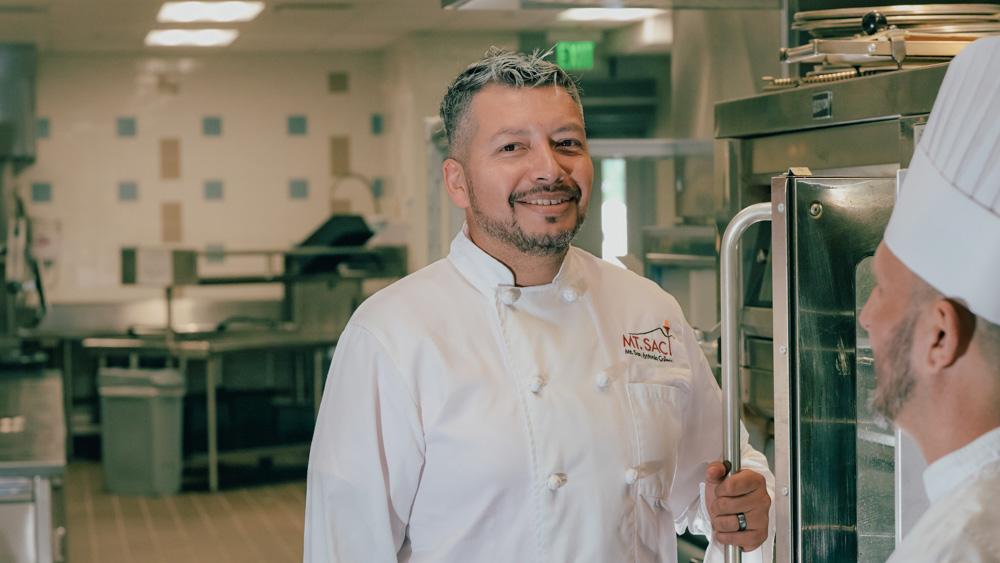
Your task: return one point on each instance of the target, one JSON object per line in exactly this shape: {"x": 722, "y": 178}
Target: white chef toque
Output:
{"x": 945, "y": 226}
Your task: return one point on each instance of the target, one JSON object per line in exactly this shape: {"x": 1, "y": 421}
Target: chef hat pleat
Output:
{"x": 945, "y": 226}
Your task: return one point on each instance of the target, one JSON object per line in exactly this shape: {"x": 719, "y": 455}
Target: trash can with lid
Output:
{"x": 141, "y": 417}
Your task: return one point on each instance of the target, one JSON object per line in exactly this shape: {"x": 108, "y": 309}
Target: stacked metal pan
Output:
{"x": 852, "y": 42}
{"x": 934, "y": 19}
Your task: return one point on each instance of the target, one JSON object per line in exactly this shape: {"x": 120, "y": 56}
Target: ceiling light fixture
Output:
{"x": 190, "y": 37}
{"x": 608, "y": 14}
{"x": 190, "y": 12}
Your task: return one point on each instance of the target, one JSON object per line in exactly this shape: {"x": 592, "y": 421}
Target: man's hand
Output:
{"x": 744, "y": 492}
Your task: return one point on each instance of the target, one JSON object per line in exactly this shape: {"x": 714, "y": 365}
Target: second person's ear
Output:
{"x": 952, "y": 326}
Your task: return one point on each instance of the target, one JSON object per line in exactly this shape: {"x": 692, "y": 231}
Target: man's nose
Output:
{"x": 547, "y": 168}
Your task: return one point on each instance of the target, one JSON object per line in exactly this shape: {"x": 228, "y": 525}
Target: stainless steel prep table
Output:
{"x": 32, "y": 465}
{"x": 212, "y": 348}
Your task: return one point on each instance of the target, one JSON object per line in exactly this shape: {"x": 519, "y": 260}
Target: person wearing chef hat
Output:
{"x": 522, "y": 400}
{"x": 934, "y": 315}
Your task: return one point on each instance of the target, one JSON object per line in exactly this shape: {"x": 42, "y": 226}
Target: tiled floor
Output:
{"x": 260, "y": 523}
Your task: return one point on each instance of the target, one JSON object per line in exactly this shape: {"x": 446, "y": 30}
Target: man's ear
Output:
{"x": 948, "y": 332}
{"x": 456, "y": 183}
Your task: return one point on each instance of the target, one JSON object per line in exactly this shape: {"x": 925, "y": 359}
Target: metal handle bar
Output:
{"x": 730, "y": 263}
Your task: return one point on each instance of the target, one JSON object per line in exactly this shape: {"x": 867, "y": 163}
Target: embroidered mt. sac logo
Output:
{"x": 651, "y": 344}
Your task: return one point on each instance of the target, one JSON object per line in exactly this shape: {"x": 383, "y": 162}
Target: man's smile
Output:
{"x": 545, "y": 197}
{"x": 545, "y": 201}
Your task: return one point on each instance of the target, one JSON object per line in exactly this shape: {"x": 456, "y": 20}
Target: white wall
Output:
{"x": 83, "y": 158}
{"x": 418, "y": 71}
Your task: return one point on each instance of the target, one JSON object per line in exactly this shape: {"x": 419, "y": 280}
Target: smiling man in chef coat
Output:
{"x": 934, "y": 317}
{"x": 521, "y": 400}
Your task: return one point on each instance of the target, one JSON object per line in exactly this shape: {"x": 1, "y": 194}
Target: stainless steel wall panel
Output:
{"x": 716, "y": 55}
{"x": 870, "y": 144}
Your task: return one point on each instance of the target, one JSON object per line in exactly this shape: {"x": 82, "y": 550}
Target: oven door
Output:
{"x": 841, "y": 488}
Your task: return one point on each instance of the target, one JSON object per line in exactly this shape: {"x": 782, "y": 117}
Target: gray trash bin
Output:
{"x": 141, "y": 416}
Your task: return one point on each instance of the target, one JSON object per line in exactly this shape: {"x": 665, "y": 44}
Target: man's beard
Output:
{"x": 895, "y": 382}
{"x": 510, "y": 232}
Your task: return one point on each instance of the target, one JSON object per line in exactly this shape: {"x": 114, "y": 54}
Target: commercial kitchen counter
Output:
{"x": 32, "y": 463}
{"x": 213, "y": 348}
{"x": 32, "y": 428}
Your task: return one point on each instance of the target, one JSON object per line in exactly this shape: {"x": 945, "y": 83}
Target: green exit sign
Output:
{"x": 575, "y": 55}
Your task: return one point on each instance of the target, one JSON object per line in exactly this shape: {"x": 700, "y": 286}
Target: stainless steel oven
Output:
{"x": 835, "y": 460}
{"x": 826, "y": 157}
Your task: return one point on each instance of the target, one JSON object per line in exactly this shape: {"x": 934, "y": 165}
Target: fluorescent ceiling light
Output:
{"x": 189, "y": 12}
{"x": 191, "y": 37}
{"x": 608, "y": 14}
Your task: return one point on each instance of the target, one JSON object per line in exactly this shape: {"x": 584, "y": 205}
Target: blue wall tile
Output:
{"x": 41, "y": 192}
{"x": 213, "y": 189}
{"x": 42, "y": 128}
{"x": 377, "y": 124}
{"x": 126, "y": 127}
{"x": 211, "y": 126}
{"x": 128, "y": 191}
{"x": 378, "y": 187}
{"x": 298, "y": 189}
{"x": 296, "y": 125}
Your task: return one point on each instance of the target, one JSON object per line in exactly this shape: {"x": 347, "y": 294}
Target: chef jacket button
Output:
{"x": 536, "y": 384}
{"x": 603, "y": 381}
{"x": 509, "y": 296}
{"x": 631, "y": 476}
{"x": 569, "y": 295}
{"x": 555, "y": 481}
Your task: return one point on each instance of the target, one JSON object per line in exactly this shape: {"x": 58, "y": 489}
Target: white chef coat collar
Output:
{"x": 487, "y": 273}
{"x": 962, "y": 465}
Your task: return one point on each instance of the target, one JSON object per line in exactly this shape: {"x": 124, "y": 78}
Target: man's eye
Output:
{"x": 569, "y": 143}
{"x": 508, "y": 148}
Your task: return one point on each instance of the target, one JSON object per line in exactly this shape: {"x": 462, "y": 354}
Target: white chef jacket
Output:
{"x": 467, "y": 420}
{"x": 962, "y": 524}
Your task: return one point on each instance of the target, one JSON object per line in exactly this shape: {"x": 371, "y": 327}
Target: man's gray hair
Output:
{"x": 518, "y": 70}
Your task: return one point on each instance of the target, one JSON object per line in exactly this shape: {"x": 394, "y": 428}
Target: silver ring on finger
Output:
{"x": 743, "y": 520}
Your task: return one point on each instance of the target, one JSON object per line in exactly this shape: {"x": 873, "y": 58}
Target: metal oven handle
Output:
{"x": 730, "y": 338}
